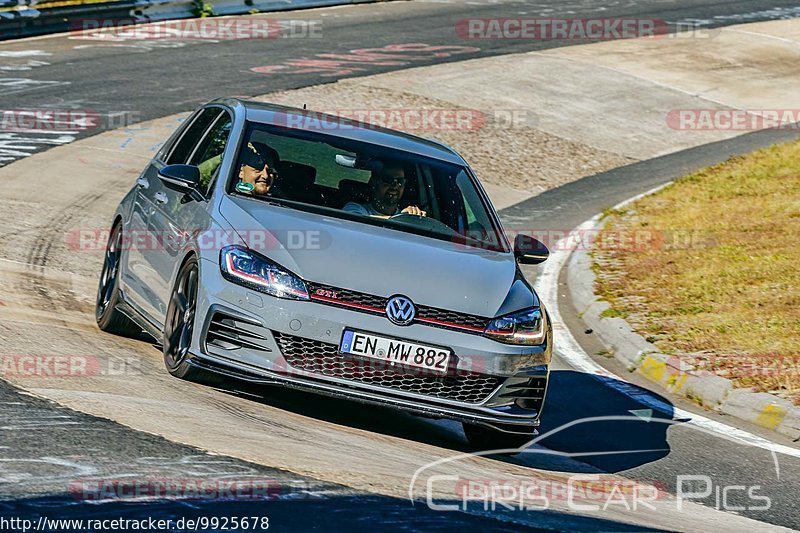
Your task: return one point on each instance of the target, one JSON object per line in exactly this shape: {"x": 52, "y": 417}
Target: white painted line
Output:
{"x": 572, "y": 353}
{"x": 24, "y": 53}
{"x": 765, "y": 35}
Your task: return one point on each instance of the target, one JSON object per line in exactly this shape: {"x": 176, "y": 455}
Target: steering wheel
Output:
{"x": 422, "y": 222}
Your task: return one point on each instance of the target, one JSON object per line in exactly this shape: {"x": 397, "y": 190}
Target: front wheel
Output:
{"x": 485, "y": 439}
{"x": 179, "y": 326}
{"x": 109, "y": 319}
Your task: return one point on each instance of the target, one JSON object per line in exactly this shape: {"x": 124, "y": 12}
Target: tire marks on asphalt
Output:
{"x": 45, "y": 296}
{"x": 258, "y": 421}
{"x": 52, "y": 230}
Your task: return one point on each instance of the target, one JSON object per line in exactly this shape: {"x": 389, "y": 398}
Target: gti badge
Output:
{"x": 400, "y": 310}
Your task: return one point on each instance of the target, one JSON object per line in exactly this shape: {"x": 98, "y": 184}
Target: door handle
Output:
{"x": 142, "y": 183}
{"x": 160, "y": 198}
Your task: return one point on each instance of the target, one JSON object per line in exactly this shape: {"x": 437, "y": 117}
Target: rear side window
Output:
{"x": 208, "y": 155}
{"x": 191, "y": 137}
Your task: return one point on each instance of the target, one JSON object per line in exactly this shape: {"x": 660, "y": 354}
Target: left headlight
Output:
{"x": 247, "y": 268}
{"x": 523, "y": 327}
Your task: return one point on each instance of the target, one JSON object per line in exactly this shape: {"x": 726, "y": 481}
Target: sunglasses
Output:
{"x": 392, "y": 180}
{"x": 271, "y": 172}
{"x": 259, "y": 165}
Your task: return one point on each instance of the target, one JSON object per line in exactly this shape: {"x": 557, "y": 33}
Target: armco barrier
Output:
{"x": 156, "y": 10}
{"x": 26, "y": 18}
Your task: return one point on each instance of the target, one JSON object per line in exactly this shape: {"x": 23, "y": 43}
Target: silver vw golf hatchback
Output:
{"x": 282, "y": 246}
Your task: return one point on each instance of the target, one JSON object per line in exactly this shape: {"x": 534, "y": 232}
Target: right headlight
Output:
{"x": 245, "y": 267}
{"x": 527, "y": 327}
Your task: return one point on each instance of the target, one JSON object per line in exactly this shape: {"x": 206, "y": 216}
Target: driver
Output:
{"x": 386, "y": 185}
{"x": 258, "y": 172}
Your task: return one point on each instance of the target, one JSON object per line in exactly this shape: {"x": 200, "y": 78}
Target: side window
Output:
{"x": 472, "y": 219}
{"x": 191, "y": 136}
{"x": 208, "y": 154}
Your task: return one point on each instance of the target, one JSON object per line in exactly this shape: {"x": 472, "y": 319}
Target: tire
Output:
{"x": 109, "y": 319}
{"x": 484, "y": 439}
{"x": 179, "y": 325}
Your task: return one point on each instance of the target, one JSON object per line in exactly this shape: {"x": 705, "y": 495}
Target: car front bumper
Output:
{"x": 243, "y": 334}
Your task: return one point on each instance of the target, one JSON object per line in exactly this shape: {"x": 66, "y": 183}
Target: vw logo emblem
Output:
{"x": 400, "y": 310}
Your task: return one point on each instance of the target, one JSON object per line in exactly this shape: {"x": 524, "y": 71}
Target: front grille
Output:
{"x": 528, "y": 394}
{"x": 478, "y": 323}
{"x": 345, "y": 296}
{"x": 369, "y": 303}
{"x": 324, "y": 358}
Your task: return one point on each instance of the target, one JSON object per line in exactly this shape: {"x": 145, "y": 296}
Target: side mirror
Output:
{"x": 530, "y": 251}
{"x": 182, "y": 178}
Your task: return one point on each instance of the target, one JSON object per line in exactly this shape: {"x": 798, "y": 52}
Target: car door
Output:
{"x": 179, "y": 216}
{"x": 150, "y": 253}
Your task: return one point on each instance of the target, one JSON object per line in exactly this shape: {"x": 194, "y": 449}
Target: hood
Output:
{"x": 373, "y": 259}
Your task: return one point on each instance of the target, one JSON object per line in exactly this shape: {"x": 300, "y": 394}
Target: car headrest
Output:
{"x": 296, "y": 175}
{"x": 354, "y": 191}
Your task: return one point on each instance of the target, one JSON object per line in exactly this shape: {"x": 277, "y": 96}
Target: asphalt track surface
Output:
{"x": 136, "y": 79}
{"x": 44, "y": 447}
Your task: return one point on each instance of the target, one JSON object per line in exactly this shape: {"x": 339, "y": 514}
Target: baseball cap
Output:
{"x": 256, "y": 155}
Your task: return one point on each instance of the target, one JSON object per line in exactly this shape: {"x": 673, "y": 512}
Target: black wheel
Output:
{"x": 179, "y": 325}
{"x": 108, "y": 317}
{"x": 484, "y": 439}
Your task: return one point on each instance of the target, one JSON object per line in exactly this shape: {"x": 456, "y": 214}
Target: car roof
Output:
{"x": 274, "y": 114}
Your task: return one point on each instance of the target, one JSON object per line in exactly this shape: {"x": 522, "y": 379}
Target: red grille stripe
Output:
{"x": 345, "y": 303}
{"x": 450, "y": 324}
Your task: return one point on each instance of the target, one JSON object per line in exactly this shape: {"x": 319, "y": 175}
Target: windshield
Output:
{"x": 364, "y": 182}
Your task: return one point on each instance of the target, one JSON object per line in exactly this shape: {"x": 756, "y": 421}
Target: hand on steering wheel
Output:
{"x": 414, "y": 210}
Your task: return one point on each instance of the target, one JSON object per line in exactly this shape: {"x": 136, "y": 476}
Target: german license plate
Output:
{"x": 395, "y": 351}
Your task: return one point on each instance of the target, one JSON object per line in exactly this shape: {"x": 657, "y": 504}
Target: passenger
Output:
{"x": 208, "y": 170}
{"x": 258, "y": 170}
{"x": 386, "y": 189}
